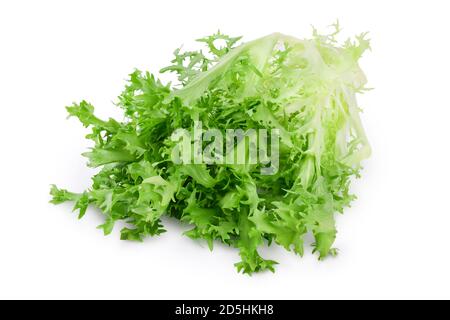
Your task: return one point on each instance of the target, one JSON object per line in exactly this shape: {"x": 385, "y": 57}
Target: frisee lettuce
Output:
{"x": 304, "y": 88}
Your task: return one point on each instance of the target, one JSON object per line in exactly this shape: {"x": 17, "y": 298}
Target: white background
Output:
{"x": 394, "y": 241}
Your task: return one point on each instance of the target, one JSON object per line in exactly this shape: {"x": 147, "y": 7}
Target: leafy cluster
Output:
{"x": 304, "y": 88}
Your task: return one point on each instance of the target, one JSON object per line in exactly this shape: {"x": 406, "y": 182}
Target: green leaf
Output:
{"x": 304, "y": 88}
